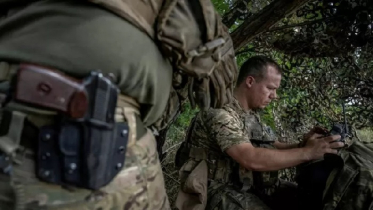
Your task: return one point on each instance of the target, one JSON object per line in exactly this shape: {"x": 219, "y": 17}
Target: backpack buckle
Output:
{"x": 207, "y": 47}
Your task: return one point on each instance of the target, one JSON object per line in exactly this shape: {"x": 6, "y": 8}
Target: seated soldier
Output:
{"x": 241, "y": 158}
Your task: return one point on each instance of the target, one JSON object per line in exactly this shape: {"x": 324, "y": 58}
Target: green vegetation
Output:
{"x": 177, "y": 130}
{"x": 365, "y": 135}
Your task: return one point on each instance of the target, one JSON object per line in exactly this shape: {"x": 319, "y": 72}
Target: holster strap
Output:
{"x": 127, "y": 109}
{"x": 7, "y": 70}
{"x": 9, "y": 143}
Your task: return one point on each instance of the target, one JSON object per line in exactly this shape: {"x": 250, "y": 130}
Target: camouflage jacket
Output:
{"x": 341, "y": 182}
{"x": 351, "y": 186}
{"x": 216, "y": 130}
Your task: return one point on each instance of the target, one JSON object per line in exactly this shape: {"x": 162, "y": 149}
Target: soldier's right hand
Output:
{"x": 318, "y": 145}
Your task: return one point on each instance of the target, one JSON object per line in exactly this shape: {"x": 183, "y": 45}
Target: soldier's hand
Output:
{"x": 315, "y": 130}
{"x": 318, "y": 145}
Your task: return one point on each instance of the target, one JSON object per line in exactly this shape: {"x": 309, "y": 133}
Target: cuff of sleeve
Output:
{"x": 233, "y": 143}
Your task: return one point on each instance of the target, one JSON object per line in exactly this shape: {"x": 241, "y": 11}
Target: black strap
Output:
{"x": 190, "y": 130}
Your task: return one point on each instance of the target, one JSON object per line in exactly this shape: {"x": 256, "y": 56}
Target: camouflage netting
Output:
{"x": 325, "y": 49}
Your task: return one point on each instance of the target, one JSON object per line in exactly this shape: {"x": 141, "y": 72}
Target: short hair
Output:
{"x": 256, "y": 67}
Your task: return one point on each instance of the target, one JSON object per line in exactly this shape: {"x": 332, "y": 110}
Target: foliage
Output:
{"x": 365, "y": 135}
{"x": 177, "y": 130}
{"x": 324, "y": 49}
{"x": 222, "y": 6}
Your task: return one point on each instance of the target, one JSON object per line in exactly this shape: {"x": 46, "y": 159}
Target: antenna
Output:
{"x": 344, "y": 115}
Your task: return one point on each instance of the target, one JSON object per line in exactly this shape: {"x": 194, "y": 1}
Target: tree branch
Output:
{"x": 263, "y": 20}
{"x": 245, "y": 51}
{"x": 299, "y": 24}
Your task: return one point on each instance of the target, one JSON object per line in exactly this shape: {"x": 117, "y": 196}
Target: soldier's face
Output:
{"x": 261, "y": 93}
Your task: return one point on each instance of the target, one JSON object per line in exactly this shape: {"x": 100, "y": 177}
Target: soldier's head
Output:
{"x": 257, "y": 81}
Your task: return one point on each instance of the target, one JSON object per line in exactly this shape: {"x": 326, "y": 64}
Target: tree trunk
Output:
{"x": 263, "y": 20}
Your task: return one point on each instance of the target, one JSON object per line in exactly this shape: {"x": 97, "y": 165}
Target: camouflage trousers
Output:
{"x": 140, "y": 185}
{"x": 221, "y": 197}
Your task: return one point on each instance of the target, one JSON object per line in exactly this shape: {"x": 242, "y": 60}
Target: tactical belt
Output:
{"x": 83, "y": 136}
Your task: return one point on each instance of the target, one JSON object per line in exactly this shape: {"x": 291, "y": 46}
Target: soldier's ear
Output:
{"x": 249, "y": 81}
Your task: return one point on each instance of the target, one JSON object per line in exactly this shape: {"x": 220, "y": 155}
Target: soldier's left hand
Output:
{"x": 315, "y": 130}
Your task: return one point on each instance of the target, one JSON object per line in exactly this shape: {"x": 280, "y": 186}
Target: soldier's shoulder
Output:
{"x": 217, "y": 116}
{"x": 221, "y": 113}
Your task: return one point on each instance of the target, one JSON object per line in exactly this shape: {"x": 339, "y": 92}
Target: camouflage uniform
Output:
{"x": 77, "y": 37}
{"x": 348, "y": 184}
{"x": 351, "y": 186}
{"x": 135, "y": 45}
{"x": 230, "y": 185}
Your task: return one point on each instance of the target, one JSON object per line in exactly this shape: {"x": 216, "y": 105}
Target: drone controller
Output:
{"x": 339, "y": 129}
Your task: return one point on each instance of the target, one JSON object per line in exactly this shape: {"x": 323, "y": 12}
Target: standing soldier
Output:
{"x": 81, "y": 81}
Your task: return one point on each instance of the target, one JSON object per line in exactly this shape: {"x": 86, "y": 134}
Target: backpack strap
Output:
{"x": 190, "y": 129}
{"x": 182, "y": 154}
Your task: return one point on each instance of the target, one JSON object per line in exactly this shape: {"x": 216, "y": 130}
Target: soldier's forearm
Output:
{"x": 281, "y": 145}
{"x": 264, "y": 159}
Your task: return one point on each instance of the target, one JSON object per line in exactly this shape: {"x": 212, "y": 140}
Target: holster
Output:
{"x": 84, "y": 147}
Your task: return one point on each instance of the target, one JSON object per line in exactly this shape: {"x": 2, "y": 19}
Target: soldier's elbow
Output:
{"x": 251, "y": 163}
{"x": 253, "y": 166}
